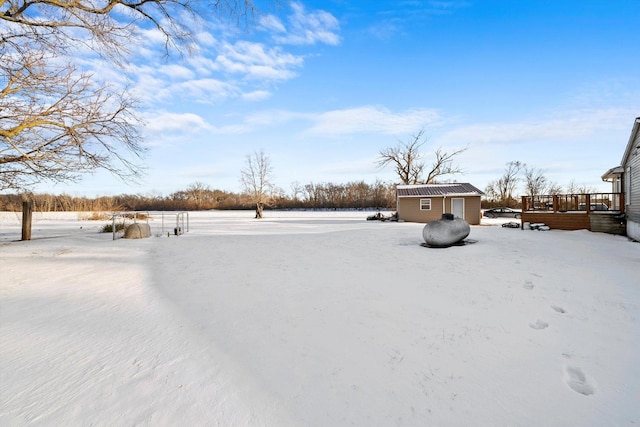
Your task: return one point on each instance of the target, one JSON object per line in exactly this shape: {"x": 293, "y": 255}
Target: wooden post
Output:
{"x": 27, "y": 209}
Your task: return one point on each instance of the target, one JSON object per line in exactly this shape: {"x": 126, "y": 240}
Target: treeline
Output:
{"x": 199, "y": 196}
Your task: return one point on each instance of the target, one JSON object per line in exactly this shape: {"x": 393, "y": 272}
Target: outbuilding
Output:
{"x": 427, "y": 202}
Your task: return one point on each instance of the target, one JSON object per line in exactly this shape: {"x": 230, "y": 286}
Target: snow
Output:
{"x": 315, "y": 319}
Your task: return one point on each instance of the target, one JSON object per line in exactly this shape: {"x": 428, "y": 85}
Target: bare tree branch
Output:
{"x": 405, "y": 158}
{"x": 443, "y": 165}
{"x": 536, "y": 183}
{"x": 502, "y": 189}
{"x": 55, "y": 124}
{"x": 409, "y": 162}
{"x": 56, "y": 121}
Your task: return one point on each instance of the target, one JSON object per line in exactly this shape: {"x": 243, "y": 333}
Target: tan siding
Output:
{"x": 409, "y": 209}
{"x": 472, "y": 211}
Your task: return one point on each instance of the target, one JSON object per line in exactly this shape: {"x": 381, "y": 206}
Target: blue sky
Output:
{"x": 323, "y": 86}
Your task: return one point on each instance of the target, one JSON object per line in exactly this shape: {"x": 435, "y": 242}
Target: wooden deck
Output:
{"x": 601, "y": 212}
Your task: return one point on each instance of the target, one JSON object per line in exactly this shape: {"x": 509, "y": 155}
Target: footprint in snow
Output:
{"x": 540, "y": 324}
{"x": 528, "y": 285}
{"x": 577, "y": 381}
{"x": 558, "y": 309}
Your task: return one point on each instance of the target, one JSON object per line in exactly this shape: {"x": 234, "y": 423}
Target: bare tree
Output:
{"x": 405, "y": 158}
{"x": 297, "y": 190}
{"x": 503, "y": 188}
{"x": 200, "y": 194}
{"x": 56, "y": 121}
{"x": 410, "y": 165}
{"x": 256, "y": 178}
{"x": 574, "y": 188}
{"x": 56, "y": 125}
{"x": 554, "y": 188}
{"x": 443, "y": 165}
{"x": 535, "y": 182}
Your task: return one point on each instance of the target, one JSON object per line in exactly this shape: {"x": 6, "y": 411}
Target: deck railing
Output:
{"x": 589, "y": 203}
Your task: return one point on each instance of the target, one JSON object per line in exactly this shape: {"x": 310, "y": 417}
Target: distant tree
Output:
{"x": 296, "y": 190}
{"x": 502, "y": 189}
{"x": 574, "y": 188}
{"x": 200, "y": 195}
{"x": 535, "y": 182}
{"x": 311, "y": 195}
{"x": 256, "y": 178}
{"x": 554, "y": 188}
{"x": 410, "y": 165}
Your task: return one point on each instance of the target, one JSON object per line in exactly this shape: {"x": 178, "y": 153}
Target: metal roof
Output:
{"x": 454, "y": 189}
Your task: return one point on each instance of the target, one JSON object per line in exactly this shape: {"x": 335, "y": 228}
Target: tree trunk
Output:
{"x": 27, "y": 209}
{"x": 258, "y": 210}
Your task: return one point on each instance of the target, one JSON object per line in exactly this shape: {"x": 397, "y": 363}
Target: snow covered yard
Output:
{"x": 316, "y": 319}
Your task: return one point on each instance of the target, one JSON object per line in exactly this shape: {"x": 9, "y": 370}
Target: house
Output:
{"x": 427, "y": 202}
{"x": 626, "y": 179}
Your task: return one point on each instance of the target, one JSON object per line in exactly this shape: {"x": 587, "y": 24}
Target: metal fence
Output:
{"x": 163, "y": 223}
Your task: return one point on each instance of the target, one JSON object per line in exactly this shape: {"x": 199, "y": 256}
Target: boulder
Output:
{"x": 137, "y": 231}
{"x": 445, "y": 232}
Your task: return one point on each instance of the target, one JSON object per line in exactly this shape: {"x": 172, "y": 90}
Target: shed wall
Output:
{"x": 472, "y": 210}
{"x": 409, "y": 209}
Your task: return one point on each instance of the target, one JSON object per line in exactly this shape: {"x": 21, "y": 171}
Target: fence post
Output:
{"x": 27, "y": 210}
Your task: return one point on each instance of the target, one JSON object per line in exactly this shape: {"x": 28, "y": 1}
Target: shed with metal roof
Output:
{"x": 427, "y": 202}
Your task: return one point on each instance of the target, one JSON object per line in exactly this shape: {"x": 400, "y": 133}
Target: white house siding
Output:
{"x": 632, "y": 174}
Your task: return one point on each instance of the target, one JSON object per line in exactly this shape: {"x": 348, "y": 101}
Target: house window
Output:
{"x": 425, "y": 204}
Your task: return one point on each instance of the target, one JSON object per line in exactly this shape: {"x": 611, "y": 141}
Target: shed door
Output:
{"x": 457, "y": 208}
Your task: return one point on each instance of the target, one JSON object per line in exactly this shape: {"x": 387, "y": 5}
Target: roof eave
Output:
{"x": 442, "y": 195}
{"x": 630, "y": 147}
{"x": 613, "y": 173}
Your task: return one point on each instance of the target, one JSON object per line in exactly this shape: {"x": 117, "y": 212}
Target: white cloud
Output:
{"x": 308, "y": 27}
{"x": 570, "y": 126}
{"x": 256, "y": 95}
{"x": 151, "y": 36}
{"x": 165, "y": 122}
{"x": 272, "y": 117}
{"x": 271, "y": 23}
{"x": 372, "y": 119}
{"x": 256, "y": 62}
{"x": 177, "y": 72}
{"x": 205, "y": 90}
{"x": 361, "y": 120}
{"x": 205, "y": 39}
